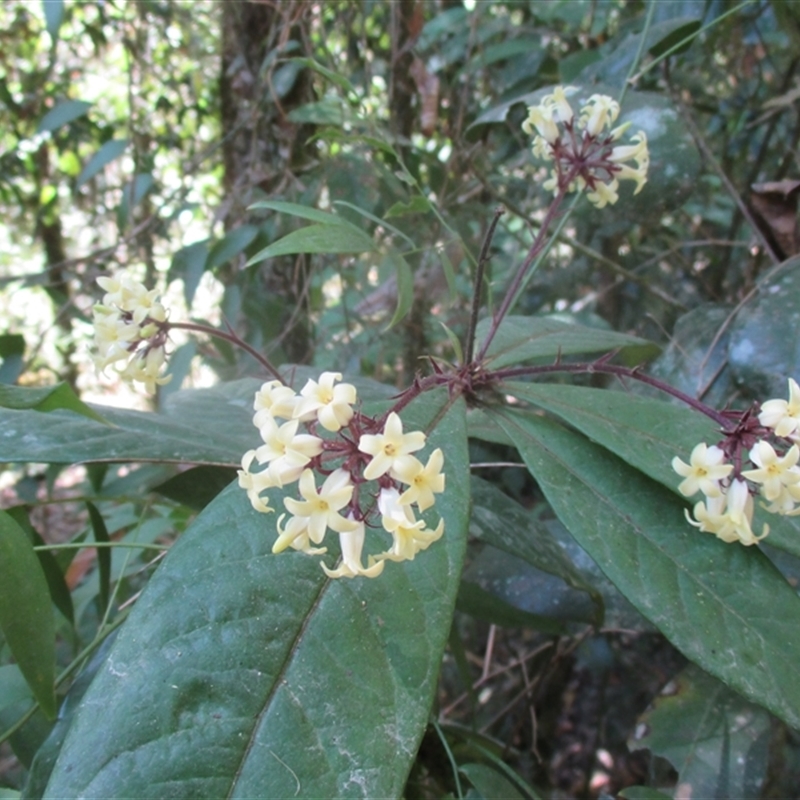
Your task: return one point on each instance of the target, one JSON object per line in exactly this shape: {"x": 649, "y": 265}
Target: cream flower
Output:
{"x": 352, "y": 544}
{"x": 394, "y": 512}
{"x": 286, "y": 451}
{"x": 729, "y": 517}
{"x": 583, "y": 155}
{"x": 254, "y": 483}
{"x": 782, "y": 416}
{"x": 113, "y": 337}
{"x": 331, "y": 405}
{"x": 320, "y": 508}
{"x": 600, "y": 111}
{"x": 774, "y": 472}
{"x": 604, "y": 194}
{"x": 387, "y": 447}
{"x": 145, "y": 368}
{"x": 295, "y": 535}
{"x": 410, "y": 539}
{"x": 423, "y": 482}
{"x": 273, "y": 400}
{"x": 541, "y": 118}
{"x": 561, "y": 109}
{"x": 704, "y": 471}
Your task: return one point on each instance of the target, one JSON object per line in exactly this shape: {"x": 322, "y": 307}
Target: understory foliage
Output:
{"x": 399, "y": 399}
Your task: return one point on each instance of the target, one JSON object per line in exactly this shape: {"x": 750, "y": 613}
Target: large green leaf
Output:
{"x": 26, "y": 614}
{"x": 725, "y": 606}
{"x": 503, "y": 523}
{"x": 716, "y": 740}
{"x": 521, "y": 339}
{"x": 244, "y": 674}
{"x": 207, "y": 426}
{"x": 46, "y": 398}
{"x": 646, "y": 433}
{"x": 317, "y": 239}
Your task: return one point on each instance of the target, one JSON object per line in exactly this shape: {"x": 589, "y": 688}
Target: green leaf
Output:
{"x": 672, "y": 32}
{"x": 223, "y": 414}
{"x": 304, "y": 212}
{"x": 716, "y": 740}
{"x": 103, "y": 556}
{"x": 481, "y": 604}
{"x": 189, "y": 264}
{"x": 12, "y": 351}
{"x": 726, "y": 607}
{"x": 200, "y": 426}
{"x": 416, "y": 205}
{"x": 198, "y": 486}
{"x": 643, "y": 793}
{"x": 760, "y": 354}
{"x": 490, "y": 783}
{"x": 328, "y": 111}
{"x": 59, "y": 592}
{"x": 405, "y": 288}
{"x": 317, "y": 239}
{"x": 377, "y": 220}
{"x": 47, "y": 753}
{"x": 46, "y": 399}
{"x": 298, "y": 685}
{"x": 230, "y": 245}
{"x": 26, "y": 615}
{"x": 13, "y": 686}
{"x": 645, "y": 433}
{"x": 132, "y": 195}
{"x": 697, "y": 359}
{"x": 454, "y": 343}
{"x": 521, "y": 339}
{"x": 53, "y": 16}
{"x": 334, "y": 77}
{"x": 63, "y": 113}
{"x": 501, "y": 522}
{"x": 105, "y": 155}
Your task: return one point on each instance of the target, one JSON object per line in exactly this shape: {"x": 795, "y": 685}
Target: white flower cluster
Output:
{"x": 129, "y": 331}
{"x": 363, "y": 450}
{"x": 579, "y": 148}
{"x": 727, "y": 510}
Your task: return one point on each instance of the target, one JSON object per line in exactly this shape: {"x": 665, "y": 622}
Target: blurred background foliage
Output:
{"x": 139, "y": 135}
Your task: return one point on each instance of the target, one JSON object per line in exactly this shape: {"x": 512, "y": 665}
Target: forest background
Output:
{"x": 169, "y": 138}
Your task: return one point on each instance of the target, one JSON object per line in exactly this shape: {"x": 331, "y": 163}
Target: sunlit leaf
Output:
{"x": 317, "y": 239}
{"x": 53, "y": 16}
{"x": 63, "y": 113}
{"x": 189, "y": 264}
{"x": 230, "y": 245}
{"x": 46, "y": 399}
{"x": 377, "y": 220}
{"x": 304, "y": 212}
{"x": 107, "y": 153}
